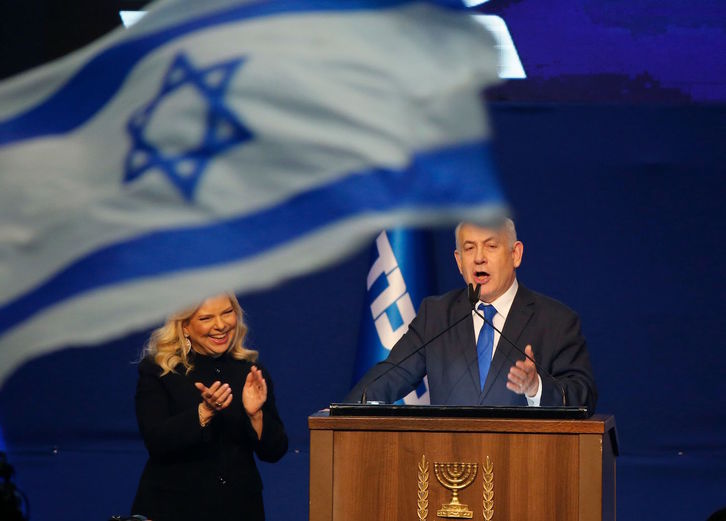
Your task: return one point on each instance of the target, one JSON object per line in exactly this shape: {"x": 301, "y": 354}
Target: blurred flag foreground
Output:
{"x": 224, "y": 144}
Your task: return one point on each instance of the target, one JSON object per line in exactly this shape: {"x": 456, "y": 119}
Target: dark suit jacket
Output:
{"x": 450, "y": 361}
{"x": 202, "y": 473}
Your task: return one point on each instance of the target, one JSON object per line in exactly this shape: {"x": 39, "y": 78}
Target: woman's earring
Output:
{"x": 187, "y": 343}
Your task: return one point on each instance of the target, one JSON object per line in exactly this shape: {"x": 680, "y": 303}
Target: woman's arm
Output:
{"x": 259, "y": 405}
{"x": 163, "y": 430}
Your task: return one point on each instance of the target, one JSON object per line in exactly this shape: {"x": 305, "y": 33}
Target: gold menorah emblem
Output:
{"x": 455, "y": 477}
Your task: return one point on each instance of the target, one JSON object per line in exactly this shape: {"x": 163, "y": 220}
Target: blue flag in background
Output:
{"x": 399, "y": 278}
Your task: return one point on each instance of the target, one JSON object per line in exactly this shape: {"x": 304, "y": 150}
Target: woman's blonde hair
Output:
{"x": 169, "y": 348}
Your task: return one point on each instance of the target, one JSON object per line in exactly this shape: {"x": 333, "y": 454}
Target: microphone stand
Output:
{"x": 473, "y": 298}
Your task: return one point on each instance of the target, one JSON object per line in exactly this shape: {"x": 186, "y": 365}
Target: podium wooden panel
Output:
{"x": 365, "y": 468}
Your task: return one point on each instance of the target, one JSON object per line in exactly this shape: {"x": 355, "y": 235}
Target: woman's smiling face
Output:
{"x": 212, "y": 327}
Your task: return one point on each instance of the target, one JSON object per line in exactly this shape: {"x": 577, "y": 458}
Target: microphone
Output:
{"x": 473, "y": 295}
{"x": 540, "y": 370}
{"x": 473, "y": 299}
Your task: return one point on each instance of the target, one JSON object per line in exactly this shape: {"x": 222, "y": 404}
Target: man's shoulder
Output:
{"x": 447, "y": 299}
{"x": 445, "y": 303}
{"x": 542, "y": 301}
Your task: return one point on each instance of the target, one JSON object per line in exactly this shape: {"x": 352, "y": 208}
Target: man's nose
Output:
{"x": 480, "y": 257}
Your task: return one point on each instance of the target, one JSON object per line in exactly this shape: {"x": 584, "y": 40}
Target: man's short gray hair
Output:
{"x": 506, "y": 224}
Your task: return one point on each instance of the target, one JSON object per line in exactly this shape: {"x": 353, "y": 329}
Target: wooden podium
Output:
{"x": 385, "y": 468}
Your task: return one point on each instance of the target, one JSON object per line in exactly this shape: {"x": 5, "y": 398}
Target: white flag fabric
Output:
{"x": 230, "y": 145}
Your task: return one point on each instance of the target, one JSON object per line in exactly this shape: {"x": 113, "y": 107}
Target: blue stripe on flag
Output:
{"x": 435, "y": 178}
{"x": 97, "y": 81}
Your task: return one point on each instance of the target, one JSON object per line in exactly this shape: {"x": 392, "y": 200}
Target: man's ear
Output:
{"x": 517, "y": 252}
{"x": 457, "y": 256}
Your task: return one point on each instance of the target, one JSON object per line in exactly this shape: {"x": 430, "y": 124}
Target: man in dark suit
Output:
{"x": 470, "y": 364}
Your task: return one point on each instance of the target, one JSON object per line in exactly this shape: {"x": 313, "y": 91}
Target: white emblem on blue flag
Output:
{"x": 218, "y": 127}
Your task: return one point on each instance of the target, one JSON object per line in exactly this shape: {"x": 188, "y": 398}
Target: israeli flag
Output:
{"x": 400, "y": 276}
{"x": 230, "y": 145}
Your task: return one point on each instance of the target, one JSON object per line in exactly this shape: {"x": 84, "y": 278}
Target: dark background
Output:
{"x": 617, "y": 185}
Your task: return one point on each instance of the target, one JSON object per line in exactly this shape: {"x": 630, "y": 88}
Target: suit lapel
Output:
{"x": 505, "y": 356}
{"x": 464, "y": 341}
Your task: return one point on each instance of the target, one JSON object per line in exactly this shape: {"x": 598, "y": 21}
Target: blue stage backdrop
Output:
{"x": 619, "y": 200}
{"x": 621, "y": 212}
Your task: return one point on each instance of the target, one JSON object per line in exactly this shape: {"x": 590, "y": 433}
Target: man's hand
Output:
{"x": 522, "y": 378}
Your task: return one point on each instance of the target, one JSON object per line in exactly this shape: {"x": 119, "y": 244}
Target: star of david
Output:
{"x": 186, "y": 162}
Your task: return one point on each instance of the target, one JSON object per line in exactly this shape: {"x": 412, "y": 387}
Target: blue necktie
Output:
{"x": 485, "y": 343}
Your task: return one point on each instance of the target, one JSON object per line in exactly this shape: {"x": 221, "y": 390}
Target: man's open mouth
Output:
{"x": 481, "y": 277}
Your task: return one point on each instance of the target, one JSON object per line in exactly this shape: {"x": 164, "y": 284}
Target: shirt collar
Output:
{"x": 503, "y": 303}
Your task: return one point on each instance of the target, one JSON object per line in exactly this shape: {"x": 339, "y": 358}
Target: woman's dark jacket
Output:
{"x": 196, "y": 472}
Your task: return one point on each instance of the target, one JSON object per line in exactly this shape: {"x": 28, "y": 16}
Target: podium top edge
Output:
{"x": 445, "y": 420}
{"x": 459, "y": 411}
